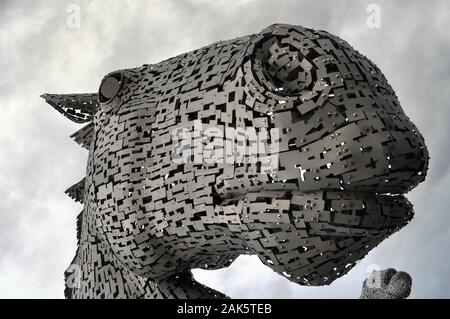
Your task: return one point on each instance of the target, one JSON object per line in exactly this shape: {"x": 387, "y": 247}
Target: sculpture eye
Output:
{"x": 110, "y": 86}
{"x": 281, "y": 67}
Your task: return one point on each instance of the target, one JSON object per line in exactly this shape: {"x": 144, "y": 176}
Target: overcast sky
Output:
{"x": 40, "y": 52}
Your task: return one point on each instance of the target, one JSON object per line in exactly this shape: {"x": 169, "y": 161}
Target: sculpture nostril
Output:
{"x": 110, "y": 86}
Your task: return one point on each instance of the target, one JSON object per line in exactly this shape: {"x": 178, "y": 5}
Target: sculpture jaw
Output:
{"x": 315, "y": 237}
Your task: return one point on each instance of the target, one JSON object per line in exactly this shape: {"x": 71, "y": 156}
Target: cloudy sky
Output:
{"x": 43, "y": 50}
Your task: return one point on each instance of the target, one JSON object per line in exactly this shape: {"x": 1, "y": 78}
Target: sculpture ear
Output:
{"x": 79, "y": 108}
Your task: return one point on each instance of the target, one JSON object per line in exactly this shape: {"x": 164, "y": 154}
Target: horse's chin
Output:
{"x": 315, "y": 237}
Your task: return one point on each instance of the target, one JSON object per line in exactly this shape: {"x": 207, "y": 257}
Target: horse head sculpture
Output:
{"x": 287, "y": 144}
